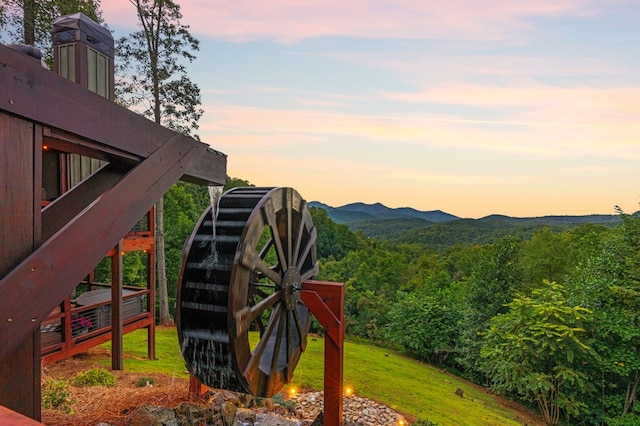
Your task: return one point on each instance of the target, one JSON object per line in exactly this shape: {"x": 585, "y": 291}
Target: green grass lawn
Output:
{"x": 379, "y": 374}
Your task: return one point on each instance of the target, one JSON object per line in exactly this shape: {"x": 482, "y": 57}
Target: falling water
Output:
{"x": 215, "y": 192}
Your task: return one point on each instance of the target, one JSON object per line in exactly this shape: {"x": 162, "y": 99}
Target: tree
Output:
{"x": 546, "y": 256}
{"x": 423, "y": 326}
{"x": 607, "y": 281}
{"x": 31, "y": 21}
{"x": 153, "y": 78}
{"x": 535, "y": 351}
{"x": 494, "y": 281}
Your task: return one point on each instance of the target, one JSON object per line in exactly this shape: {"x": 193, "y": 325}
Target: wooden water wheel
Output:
{"x": 241, "y": 323}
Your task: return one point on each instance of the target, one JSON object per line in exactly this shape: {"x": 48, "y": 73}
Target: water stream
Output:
{"x": 215, "y": 192}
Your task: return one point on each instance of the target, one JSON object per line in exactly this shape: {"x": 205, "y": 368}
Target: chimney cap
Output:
{"x": 79, "y": 27}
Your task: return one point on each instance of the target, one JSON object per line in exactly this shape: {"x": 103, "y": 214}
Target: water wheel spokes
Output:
{"x": 244, "y": 277}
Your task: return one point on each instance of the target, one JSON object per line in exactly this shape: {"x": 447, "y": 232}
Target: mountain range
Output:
{"x": 438, "y": 228}
{"x": 359, "y": 212}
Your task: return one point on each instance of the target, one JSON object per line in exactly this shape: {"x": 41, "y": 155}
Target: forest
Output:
{"x": 552, "y": 321}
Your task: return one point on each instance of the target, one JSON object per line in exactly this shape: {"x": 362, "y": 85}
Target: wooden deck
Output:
{"x": 75, "y": 327}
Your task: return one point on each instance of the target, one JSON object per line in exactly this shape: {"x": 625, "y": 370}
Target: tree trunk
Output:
{"x": 630, "y": 397}
{"x": 28, "y": 22}
{"x": 163, "y": 294}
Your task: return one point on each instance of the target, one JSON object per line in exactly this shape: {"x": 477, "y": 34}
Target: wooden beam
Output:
{"x": 54, "y": 269}
{"x": 62, "y": 104}
{"x": 117, "y": 350}
{"x": 71, "y": 203}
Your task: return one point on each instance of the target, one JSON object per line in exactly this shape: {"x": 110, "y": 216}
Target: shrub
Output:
{"x": 287, "y": 404}
{"x": 424, "y": 422}
{"x": 95, "y": 377}
{"x": 56, "y": 395}
{"x": 144, "y": 381}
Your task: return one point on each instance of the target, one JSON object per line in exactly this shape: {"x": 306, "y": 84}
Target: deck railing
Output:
{"x": 85, "y": 321}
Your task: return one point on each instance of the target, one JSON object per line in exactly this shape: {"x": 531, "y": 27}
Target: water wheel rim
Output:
{"x": 264, "y": 370}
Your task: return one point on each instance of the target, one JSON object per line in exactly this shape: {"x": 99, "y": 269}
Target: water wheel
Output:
{"x": 241, "y": 323}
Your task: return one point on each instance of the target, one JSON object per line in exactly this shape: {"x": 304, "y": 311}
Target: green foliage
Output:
{"x": 606, "y": 281}
{"x": 145, "y": 381}
{"x": 333, "y": 240}
{"x": 424, "y": 327}
{"x": 546, "y": 256}
{"x": 496, "y": 276}
{"x": 483, "y": 231}
{"x": 424, "y": 422}
{"x": 534, "y": 350}
{"x": 628, "y": 420}
{"x": 152, "y": 68}
{"x": 56, "y": 395}
{"x": 288, "y": 404}
{"x": 94, "y": 377}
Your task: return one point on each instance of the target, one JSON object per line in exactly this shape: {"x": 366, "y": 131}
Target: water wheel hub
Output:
{"x": 292, "y": 283}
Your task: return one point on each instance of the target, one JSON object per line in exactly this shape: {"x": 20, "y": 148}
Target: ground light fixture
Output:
{"x": 292, "y": 391}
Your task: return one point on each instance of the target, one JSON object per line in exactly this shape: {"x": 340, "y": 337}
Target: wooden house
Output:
{"x": 79, "y": 176}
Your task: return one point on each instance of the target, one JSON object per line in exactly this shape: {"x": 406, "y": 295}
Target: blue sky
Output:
{"x": 523, "y": 108}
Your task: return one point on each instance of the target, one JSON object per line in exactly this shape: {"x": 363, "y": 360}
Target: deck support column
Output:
{"x": 117, "y": 355}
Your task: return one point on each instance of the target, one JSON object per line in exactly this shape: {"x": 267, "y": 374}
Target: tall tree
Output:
{"x": 535, "y": 350}
{"x": 494, "y": 281}
{"x": 31, "y": 21}
{"x": 153, "y": 78}
{"x": 607, "y": 280}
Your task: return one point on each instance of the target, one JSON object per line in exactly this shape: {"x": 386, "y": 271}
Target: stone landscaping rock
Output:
{"x": 151, "y": 415}
{"x": 226, "y": 408}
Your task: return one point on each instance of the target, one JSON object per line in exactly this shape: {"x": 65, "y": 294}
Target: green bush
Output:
{"x": 424, "y": 422}
{"x": 143, "y": 381}
{"x": 285, "y": 403}
{"x": 56, "y": 395}
{"x": 95, "y": 377}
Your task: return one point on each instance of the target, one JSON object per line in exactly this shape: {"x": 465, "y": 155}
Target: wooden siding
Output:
{"x": 17, "y": 241}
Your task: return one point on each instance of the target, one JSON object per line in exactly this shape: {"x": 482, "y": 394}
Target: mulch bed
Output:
{"x": 113, "y": 405}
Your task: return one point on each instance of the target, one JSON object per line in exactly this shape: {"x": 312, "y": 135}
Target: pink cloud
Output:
{"x": 290, "y": 21}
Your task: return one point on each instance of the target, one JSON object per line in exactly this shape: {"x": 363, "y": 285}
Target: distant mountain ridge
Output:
{"x": 359, "y": 212}
{"x": 438, "y": 229}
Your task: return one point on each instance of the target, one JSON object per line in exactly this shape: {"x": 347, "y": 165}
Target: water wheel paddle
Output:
{"x": 241, "y": 273}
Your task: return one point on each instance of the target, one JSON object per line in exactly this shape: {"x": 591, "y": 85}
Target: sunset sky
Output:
{"x": 523, "y": 108}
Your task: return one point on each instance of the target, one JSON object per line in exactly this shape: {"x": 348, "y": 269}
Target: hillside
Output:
{"x": 412, "y": 388}
{"x": 438, "y": 229}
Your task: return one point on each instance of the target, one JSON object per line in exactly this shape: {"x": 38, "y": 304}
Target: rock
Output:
{"x": 228, "y": 414}
{"x": 356, "y": 411}
{"x": 151, "y": 415}
{"x": 188, "y": 414}
{"x": 245, "y": 417}
{"x": 227, "y": 409}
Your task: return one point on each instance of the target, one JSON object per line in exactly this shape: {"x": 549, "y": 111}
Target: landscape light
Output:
{"x": 293, "y": 391}
{"x": 348, "y": 390}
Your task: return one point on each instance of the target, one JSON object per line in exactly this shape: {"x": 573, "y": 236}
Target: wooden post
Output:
{"x": 117, "y": 355}
{"x": 151, "y": 286}
{"x": 326, "y": 302}
{"x": 20, "y": 192}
